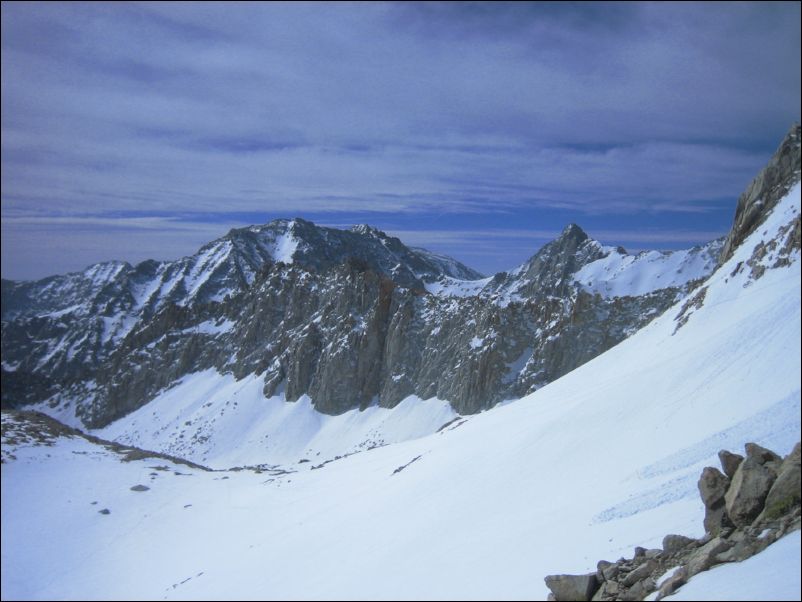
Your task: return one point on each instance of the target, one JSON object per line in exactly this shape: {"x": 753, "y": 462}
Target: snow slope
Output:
{"x": 619, "y": 274}
{"x": 597, "y": 462}
{"x": 220, "y": 422}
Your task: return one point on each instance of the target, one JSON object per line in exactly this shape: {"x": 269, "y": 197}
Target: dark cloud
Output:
{"x": 529, "y": 110}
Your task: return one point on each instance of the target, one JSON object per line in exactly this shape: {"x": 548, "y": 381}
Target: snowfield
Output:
{"x": 618, "y": 274}
{"x": 217, "y": 421}
{"x": 592, "y": 465}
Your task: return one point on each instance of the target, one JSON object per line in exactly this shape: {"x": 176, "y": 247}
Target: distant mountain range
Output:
{"x": 349, "y": 318}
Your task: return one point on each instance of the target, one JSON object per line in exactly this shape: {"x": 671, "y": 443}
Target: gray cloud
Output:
{"x": 455, "y": 108}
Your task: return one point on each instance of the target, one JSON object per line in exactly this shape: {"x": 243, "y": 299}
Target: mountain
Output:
{"x": 349, "y": 319}
{"x": 589, "y": 466}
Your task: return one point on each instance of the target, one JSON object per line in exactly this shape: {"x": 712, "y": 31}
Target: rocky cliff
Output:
{"x": 768, "y": 187}
{"x": 350, "y": 318}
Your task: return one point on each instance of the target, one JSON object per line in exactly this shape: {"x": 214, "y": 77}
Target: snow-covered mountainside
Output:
{"x": 608, "y": 455}
{"x": 620, "y": 274}
{"x": 348, "y": 318}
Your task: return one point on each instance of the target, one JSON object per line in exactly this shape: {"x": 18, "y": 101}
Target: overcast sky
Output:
{"x": 134, "y": 131}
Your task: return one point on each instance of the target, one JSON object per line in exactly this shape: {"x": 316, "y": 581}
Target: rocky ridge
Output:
{"x": 345, "y": 317}
{"x": 753, "y": 503}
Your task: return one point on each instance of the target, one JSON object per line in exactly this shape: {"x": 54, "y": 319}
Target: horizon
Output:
{"x": 631, "y": 251}
{"x": 478, "y": 131}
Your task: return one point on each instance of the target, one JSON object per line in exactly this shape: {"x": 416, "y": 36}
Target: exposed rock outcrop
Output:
{"x": 636, "y": 578}
{"x": 712, "y": 487}
{"x": 762, "y": 194}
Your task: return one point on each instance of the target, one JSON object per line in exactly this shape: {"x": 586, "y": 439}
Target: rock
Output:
{"x": 140, "y": 488}
{"x": 654, "y": 553}
{"x": 640, "y": 573}
{"x": 104, "y": 511}
{"x": 611, "y": 572}
{"x": 713, "y": 485}
{"x": 750, "y": 486}
{"x": 640, "y": 590}
{"x": 675, "y": 543}
{"x": 673, "y": 583}
{"x": 572, "y": 587}
{"x": 609, "y": 590}
{"x": 742, "y": 549}
{"x": 729, "y": 462}
{"x": 761, "y": 454}
{"x": 601, "y": 566}
{"x": 785, "y": 492}
{"x": 639, "y": 551}
{"x": 763, "y": 193}
{"x": 703, "y": 558}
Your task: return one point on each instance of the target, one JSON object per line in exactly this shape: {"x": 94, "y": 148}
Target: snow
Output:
{"x": 284, "y": 245}
{"x": 476, "y": 342}
{"x": 447, "y": 286}
{"x": 204, "y": 265}
{"x": 618, "y": 275}
{"x": 774, "y": 574}
{"x": 218, "y": 421}
{"x": 211, "y": 327}
{"x": 587, "y": 467}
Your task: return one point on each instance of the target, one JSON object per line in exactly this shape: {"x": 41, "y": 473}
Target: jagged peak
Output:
{"x": 573, "y": 231}
{"x": 778, "y": 176}
{"x": 367, "y": 229}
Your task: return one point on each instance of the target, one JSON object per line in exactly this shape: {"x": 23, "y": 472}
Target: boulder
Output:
{"x": 729, "y": 462}
{"x": 601, "y": 566}
{"x": 609, "y": 590}
{"x": 572, "y": 587}
{"x": 640, "y": 590}
{"x": 673, "y": 583}
{"x": 750, "y": 486}
{"x": 713, "y": 485}
{"x": 705, "y": 557}
{"x": 761, "y": 454}
{"x": 785, "y": 492}
{"x": 640, "y": 573}
{"x": 675, "y": 543}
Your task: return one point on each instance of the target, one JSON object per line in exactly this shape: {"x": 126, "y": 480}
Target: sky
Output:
{"x": 143, "y": 130}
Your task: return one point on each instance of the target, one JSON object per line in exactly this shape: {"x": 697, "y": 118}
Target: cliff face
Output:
{"x": 768, "y": 187}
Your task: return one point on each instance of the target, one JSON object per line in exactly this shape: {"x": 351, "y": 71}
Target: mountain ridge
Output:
{"x": 350, "y": 319}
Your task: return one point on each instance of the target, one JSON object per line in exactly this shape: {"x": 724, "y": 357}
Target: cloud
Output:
{"x": 464, "y": 109}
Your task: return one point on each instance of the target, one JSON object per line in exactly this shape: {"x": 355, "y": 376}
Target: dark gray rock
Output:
{"x": 760, "y": 454}
{"x": 601, "y": 566}
{"x": 639, "y": 590}
{"x": 640, "y": 573}
{"x": 675, "y": 543}
{"x": 729, "y": 462}
{"x": 763, "y": 193}
{"x": 609, "y": 590}
{"x": 785, "y": 492}
{"x": 705, "y": 557}
{"x": 713, "y": 485}
{"x": 673, "y": 583}
{"x": 140, "y": 488}
{"x": 572, "y": 587}
{"x": 750, "y": 485}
